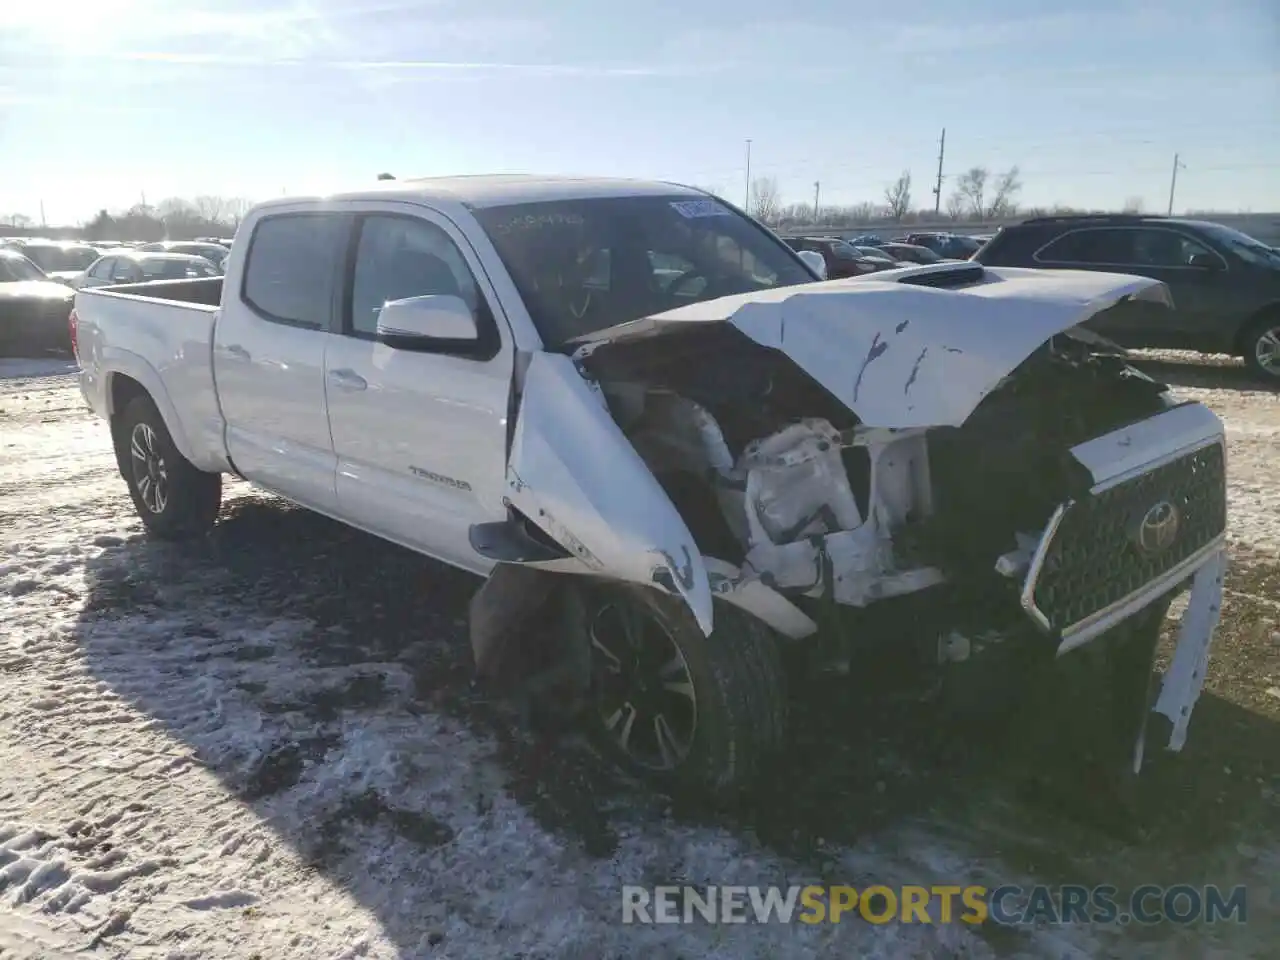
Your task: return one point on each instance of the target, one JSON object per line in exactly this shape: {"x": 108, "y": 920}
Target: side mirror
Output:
{"x": 421, "y": 323}
{"x": 814, "y": 261}
{"x": 1204, "y": 261}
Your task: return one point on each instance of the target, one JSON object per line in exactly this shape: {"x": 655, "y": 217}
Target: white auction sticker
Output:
{"x": 700, "y": 208}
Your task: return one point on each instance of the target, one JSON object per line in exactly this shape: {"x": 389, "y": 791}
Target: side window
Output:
{"x": 122, "y": 270}
{"x": 1101, "y": 246}
{"x": 1165, "y": 248}
{"x": 400, "y": 257}
{"x": 102, "y": 269}
{"x": 292, "y": 267}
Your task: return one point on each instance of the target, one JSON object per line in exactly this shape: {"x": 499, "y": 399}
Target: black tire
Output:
{"x": 191, "y": 497}
{"x": 739, "y": 693}
{"x": 1251, "y": 342}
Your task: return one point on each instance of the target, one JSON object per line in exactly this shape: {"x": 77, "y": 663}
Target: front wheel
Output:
{"x": 683, "y": 711}
{"x": 1262, "y": 347}
{"x": 175, "y": 500}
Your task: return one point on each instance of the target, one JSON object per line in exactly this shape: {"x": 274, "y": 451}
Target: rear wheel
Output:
{"x": 175, "y": 500}
{"x": 1261, "y": 342}
{"x": 684, "y": 711}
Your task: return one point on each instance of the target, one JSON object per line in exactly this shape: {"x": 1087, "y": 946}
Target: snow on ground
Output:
{"x": 265, "y": 746}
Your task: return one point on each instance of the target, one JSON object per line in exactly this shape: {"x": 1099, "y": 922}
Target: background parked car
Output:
{"x": 1225, "y": 284}
{"x": 58, "y": 260}
{"x": 910, "y": 253}
{"x": 137, "y": 266}
{"x": 842, "y": 258}
{"x": 882, "y": 258}
{"x": 952, "y": 246}
{"x": 34, "y": 310}
{"x": 215, "y": 253}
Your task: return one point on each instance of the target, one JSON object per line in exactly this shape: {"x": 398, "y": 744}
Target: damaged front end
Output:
{"x": 943, "y": 461}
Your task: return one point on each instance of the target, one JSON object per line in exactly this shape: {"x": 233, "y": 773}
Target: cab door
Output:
{"x": 269, "y": 347}
{"x": 419, "y": 434}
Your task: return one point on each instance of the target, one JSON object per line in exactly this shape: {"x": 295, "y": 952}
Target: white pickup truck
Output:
{"x": 675, "y": 454}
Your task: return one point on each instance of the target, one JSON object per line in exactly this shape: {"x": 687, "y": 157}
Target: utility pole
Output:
{"x": 937, "y": 190}
{"x": 746, "y": 203}
{"x": 43, "y": 221}
{"x": 816, "y": 187}
{"x": 1173, "y": 180}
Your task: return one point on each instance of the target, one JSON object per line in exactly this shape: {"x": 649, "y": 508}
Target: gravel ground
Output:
{"x": 266, "y": 746}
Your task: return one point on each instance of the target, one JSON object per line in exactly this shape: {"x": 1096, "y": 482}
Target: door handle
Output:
{"x": 235, "y": 350}
{"x": 347, "y": 379}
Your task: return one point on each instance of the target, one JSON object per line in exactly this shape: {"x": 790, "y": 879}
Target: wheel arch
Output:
{"x": 516, "y": 593}
{"x": 132, "y": 377}
{"x": 1271, "y": 309}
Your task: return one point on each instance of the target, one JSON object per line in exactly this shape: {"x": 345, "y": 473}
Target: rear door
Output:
{"x": 420, "y": 438}
{"x": 279, "y": 305}
{"x": 1160, "y": 253}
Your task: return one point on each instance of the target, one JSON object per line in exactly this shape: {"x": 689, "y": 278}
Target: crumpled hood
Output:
{"x": 899, "y": 353}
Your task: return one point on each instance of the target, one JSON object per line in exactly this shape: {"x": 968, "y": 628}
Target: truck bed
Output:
{"x": 205, "y": 291}
{"x": 159, "y": 334}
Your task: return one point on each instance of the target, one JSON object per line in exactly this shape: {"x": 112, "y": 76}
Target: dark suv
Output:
{"x": 1225, "y": 284}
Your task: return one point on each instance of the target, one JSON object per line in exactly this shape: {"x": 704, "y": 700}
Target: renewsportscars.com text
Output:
{"x": 1006, "y": 905}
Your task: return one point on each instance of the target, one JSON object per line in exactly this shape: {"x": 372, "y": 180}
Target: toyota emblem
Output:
{"x": 1159, "y": 528}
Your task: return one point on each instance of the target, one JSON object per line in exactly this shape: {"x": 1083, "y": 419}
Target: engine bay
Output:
{"x": 771, "y": 474}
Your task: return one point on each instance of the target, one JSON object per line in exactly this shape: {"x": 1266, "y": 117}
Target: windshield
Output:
{"x": 14, "y": 269}
{"x": 874, "y": 253}
{"x": 586, "y": 265}
{"x": 177, "y": 269}
{"x": 844, "y": 251}
{"x": 1244, "y": 246}
{"x": 60, "y": 258}
{"x": 919, "y": 254}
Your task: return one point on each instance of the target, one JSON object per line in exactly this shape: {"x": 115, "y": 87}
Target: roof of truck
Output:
{"x": 492, "y": 190}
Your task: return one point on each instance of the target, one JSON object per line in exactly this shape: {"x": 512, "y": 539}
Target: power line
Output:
{"x": 1010, "y": 149}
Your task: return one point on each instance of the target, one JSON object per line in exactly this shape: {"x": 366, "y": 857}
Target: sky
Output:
{"x": 103, "y": 102}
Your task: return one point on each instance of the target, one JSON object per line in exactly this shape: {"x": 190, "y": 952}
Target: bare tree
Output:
{"x": 237, "y": 207}
{"x": 897, "y": 197}
{"x": 766, "y": 202}
{"x": 1004, "y": 198}
{"x": 1133, "y": 205}
{"x": 172, "y": 208}
{"x": 212, "y": 208}
{"x": 971, "y": 188}
{"x": 860, "y": 213}
{"x": 19, "y": 221}
{"x": 956, "y": 204}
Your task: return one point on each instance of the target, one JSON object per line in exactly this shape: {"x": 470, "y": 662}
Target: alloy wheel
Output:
{"x": 1266, "y": 350}
{"x": 643, "y": 686}
{"x": 149, "y": 473}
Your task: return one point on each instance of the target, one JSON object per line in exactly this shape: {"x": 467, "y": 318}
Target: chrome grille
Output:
{"x": 1096, "y": 555}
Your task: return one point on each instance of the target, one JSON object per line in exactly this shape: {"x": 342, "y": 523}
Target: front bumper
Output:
{"x": 1184, "y": 679}
{"x": 1094, "y": 568}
